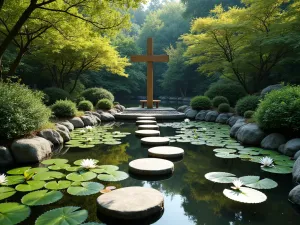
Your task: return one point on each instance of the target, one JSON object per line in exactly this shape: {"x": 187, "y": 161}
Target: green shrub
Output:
{"x": 232, "y": 92}
{"x": 224, "y": 108}
{"x": 21, "y": 110}
{"x": 105, "y": 104}
{"x": 85, "y": 106}
{"x": 200, "y": 103}
{"x": 247, "y": 103}
{"x": 280, "y": 110}
{"x": 219, "y": 100}
{"x": 116, "y": 103}
{"x": 64, "y": 108}
{"x": 54, "y": 94}
{"x": 96, "y": 94}
{"x": 249, "y": 114}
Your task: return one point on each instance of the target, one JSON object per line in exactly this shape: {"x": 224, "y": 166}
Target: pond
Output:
{"x": 190, "y": 199}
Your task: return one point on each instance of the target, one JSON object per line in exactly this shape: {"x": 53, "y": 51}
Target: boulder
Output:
{"x": 281, "y": 148}
{"x": 270, "y": 88}
{"x": 52, "y": 136}
{"x": 211, "y": 116}
{"x": 89, "y": 120}
{"x": 123, "y": 108}
{"x": 120, "y": 107}
{"x": 273, "y": 141}
{"x": 6, "y": 158}
{"x": 291, "y": 147}
{"x": 113, "y": 112}
{"x": 191, "y": 114}
{"x": 234, "y": 129}
{"x": 296, "y": 171}
{"x": 182, "y": 108}
{"x": 201, "y": 115}
{"x": 222, "y": 118}
{"x": 232, "y": 120}
{"x": 294, "y": 195}
{"x": 297, "y": 155}
{"x": 250, "y": 134}
{"x": 68, "y": 125}
{"x": 31, "y": 150}
{"x": 77, "y": 122}
{"x": 105, "y": 116}
{"x": 188, "y": 108}
{"x": 63, "y": 131}
{"x": 97, "y": 115}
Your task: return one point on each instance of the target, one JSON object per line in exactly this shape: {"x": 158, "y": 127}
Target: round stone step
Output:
{"x": 154, "y": 141}
{"x": 131, "y": 203}
{"x": 146, "y": 122}
{"x": 146, "y": 118}
{"x": 148, "y": 127}
{"x": 151, "y": 166}
{"x": 147, "y": 133}
{"x": 166, "y": 152}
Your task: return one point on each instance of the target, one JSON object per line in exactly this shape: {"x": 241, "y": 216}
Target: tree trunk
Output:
{"x": 14, "y": 65}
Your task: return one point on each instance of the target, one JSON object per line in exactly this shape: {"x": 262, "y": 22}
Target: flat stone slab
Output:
{"x": 155, "y": 141}
{"x": 166, "y": 152}
{"x": 147, "y": 133}
{"x": 146, "y": 118}
{"x": 148, "y": 127}
{"x": 151, "y": 166}
{"x": 145, "y": 122}
{"x": 131, "y": 203}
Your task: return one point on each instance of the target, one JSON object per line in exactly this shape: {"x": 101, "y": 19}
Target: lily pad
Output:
{"x": 30, "y": 186}
{"x": 81, "y": 177}
{"x": 113, "y": 176}
{"x": 38, "y": 170}
{"x": 50, "y": 175}
{"x": 224, "y": 150}
{"x": 78, "y": 162}
{"x": 59, "y": 166}
{"x": 245, "y": 195}
{"x": 73, "y": 168}
{"x": 220, "y": 177}
{"x": 18, "y": 171}
{"x": 86, "y": 188}
{"x": 289, "y": 163}
{"x": 99, "y": 170}
{"x": 6, "y": 192}
{"x": 109, "y": 168}
{"x": 249, "y": 179}
{"x": 278, "y": 169}
{"x": 226, "y": 155}
{"x": 62, "y": 184}
{"x": 54, "y": 161}
{"x": 12, "y": 180}
{"x": 67, "y": 215}
{"x": 42, "y": 197}
{"x": 13, "y": 213}
{"x": 263, "y": 184}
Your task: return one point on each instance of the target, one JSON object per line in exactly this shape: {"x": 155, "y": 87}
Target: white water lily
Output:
{"x": 88, "y": 163}
{"x": 82, "y": 131}
{"x": 89, "y": 139}
{"x": 3, "y": 179}
{"x": 204, "y": 129}
{"x": 89, "y": 128}
{"x": 186, "y": 120}
{"x": 237, "y": 184}
{"x": 266, "y": 162}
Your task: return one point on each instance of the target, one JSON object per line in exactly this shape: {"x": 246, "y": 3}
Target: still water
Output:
{"x": 190, "y": 199}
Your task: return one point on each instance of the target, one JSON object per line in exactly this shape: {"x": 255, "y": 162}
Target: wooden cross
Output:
{"x": 150, "y": 58}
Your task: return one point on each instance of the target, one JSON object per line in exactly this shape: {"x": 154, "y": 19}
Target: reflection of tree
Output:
{"x": 114, "y": 155}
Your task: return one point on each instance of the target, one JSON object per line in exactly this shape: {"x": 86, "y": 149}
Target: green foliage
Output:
{"x": 12, "y": 213}
{"x": 85, "y": 106}
{"x": 246, "y": 103}
{"x": 224, "y": 108}
{"x": 42, "y": 197}
{"x": 219, "y": 100}
{"x": 64, "y": 109}
{"x": 54, "y": 94}
{"x": 96, "y": 94}
{"x": 104, "y": 104}
{"x": 249, "y": 114}
{"x": 22, "y": 110}
{"x": 200, "y": 103}
{"x": 280, "y": 110}
{"x": 232, "y": 92}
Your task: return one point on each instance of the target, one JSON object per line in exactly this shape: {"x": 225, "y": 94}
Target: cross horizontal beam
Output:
{"x": 149, "y": 58}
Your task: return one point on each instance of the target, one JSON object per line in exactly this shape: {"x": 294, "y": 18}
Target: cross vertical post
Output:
{"x": 149, "y": 75}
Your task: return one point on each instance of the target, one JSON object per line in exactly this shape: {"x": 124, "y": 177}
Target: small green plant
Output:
{"x": 219, "y": 100}
{"x": 105, "y": 104}
{"x": 249, "y": 114}
{"x": 85, "y": 106}
{"x": 116, "y": 103}
{"x": 200, "y": 103}
{"x": 96, "y": 94}
{"x": 54, "y": 94}
{"x": 247, "y": 103}
{"x": 224, "y": 108}
{"x": 64, "y": 109}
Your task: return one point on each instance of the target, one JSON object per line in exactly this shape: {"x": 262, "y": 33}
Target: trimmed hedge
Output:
{"x": 219, "y": 100}
{"x": 247, "y": 103}
{"x": 22, "y": 110}
{"x": 96, "y": 94}
{"x": 85, "y": 106}
{"x": 64, "y": 109}
{"x": 249, "y": 114}
{"x": 105, "y": 104}
{"x": 54, "y": 94}
{"x": 200, "y": 103}
{"x": 224, "y": 108}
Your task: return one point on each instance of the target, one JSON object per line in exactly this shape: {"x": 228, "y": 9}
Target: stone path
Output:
{"x": 151, "y": 166}
{"x": 147, "y": 133}
{"x": 155, "y": 141}
{"x": 166, "y": 152}
{"x": 146, "y": 122}
{"x": 148, "y": 127}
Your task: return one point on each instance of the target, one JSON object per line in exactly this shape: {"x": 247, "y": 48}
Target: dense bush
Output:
{"x": 280, "y": 110}
{"x": 21, "y": 110}
{"x": 104, "y": 104}
{"x": 232, "y": 92}
{"x": 200, "y": 103}
{"x": 54, "y": 94}
{"x": 85, "y": 106}
{"x": 219, "y": 100}
{"x": 96, "y": 94}
{"x": 247, "y": 103}
{"x": 224, "y": 108}
{"x": 249, "y": 114}
{"x": 64, "y": 108}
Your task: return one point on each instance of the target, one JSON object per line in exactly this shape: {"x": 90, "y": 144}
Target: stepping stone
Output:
{"x": 131, "y": 203}
{"x": 147, "y": 133}
{"x": 155, "y": 141}
{"x": 166, "y": 152}
{"x": 148, "y": 127}
{"x": 151, "y": 166}
{"x": 146, "y": 118}
{"x": 146, "y": 122}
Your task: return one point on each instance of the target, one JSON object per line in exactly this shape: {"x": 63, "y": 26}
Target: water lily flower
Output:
{"x": 186, "y": 120}
{"x": 89, "y": 139}
{"x": 266, "y": 162}
{"x": 237, "y": 184}
{"x": 204, "y": 129}
{"x": 89, "y": 128}
{"x": 82, "y": 131}
{"x": 3, "y": 179}
{"x": 88, "y": 163}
